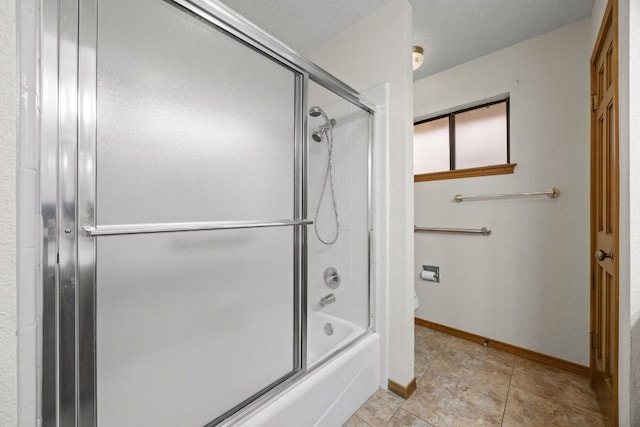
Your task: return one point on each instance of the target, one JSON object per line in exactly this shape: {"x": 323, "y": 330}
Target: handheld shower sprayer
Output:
{"x": 326, "y": 130}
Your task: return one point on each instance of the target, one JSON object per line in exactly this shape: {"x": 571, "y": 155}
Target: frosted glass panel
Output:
{"x": 481, "y": 137}
{"x": 431, "y": 146}
{"x": 192, "y": 124}
{"x": 191, "y": 324}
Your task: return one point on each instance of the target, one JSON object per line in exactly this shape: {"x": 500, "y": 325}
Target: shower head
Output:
{"x": 317, "y": 135}
{"x": 329, "y": 123}
{"x": 317, "y": 111}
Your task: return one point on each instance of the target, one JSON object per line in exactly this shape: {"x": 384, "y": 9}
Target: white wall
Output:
{"x": 373, "y": 51}
{"x": 624, "y": 248}
{"x": 528, "y": 283}
{"x": 8, "y": 117}
{"x": 597, "y": 13}
{"x": 629, "y": 84}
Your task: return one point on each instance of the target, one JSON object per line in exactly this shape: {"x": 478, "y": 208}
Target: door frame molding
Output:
{"x": 609, "y": 20}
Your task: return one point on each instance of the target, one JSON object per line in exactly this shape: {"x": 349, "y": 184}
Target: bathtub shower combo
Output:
{"x": 184, "y": 282}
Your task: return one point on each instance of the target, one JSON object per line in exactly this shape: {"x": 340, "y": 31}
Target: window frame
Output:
{"x": 452, "y": 173}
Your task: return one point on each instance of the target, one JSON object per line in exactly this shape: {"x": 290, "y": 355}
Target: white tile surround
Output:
{"x": 28, "y": 214}
{"x": 8, "y": 312}
{"x": 351, "y": 296}
{"x": 349, "y": 253}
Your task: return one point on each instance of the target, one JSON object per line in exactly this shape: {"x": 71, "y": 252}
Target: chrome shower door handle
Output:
{"x": 112, "y": 230}
{"x": 602, "y": 255}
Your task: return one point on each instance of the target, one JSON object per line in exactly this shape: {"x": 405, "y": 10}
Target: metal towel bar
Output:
{"x": 552, "y": 193}
{"x": 484, "y": 230}
{"x": 112, "y": 230}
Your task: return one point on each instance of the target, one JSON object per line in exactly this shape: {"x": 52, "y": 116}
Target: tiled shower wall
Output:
{"x": 349, "y": 254}
{"x": 28, "y": 245}
{"x": 350, "y": 140}
{"x": 8, "y": 103}
{"x": 20, "y": 214}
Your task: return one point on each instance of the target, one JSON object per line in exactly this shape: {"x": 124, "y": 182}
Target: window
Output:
{"x": 469, "y": 142}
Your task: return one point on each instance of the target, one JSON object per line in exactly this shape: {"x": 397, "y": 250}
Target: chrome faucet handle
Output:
{"x": 331, "y": 277}
{"x": 328, "y": 299}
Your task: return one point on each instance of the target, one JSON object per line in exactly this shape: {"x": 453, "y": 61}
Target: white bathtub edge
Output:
{"x": 329, "y": 395}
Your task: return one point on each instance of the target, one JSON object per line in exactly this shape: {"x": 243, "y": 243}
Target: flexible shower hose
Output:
{"x": 328, "y": 176}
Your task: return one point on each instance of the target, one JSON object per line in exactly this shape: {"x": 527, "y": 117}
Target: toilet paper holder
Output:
{"x": 430, "y": 273}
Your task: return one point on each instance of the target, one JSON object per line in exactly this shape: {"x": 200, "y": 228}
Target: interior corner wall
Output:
{"x": 374, "y": 51}
{"x": 8, "y": 126}
{"x": 528, "y": 283}
{"x": 597, "y": 13}
{"x": 630, "y": 32}
{"x": 625, "y": 284}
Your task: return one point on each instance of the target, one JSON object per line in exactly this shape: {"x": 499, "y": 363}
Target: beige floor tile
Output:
{"x": 380, "y": 407}
{"x": 456, "y": 356}
{"x": 422, "y": 333}
{"x": 526, "y": 409}
{"x": 457, "y": 342}
{"x": 441, "y": 401}
{"x": 476, "y": 360}
{"x": 355, "y": 421}
{"x": 403, "y": 418}
{"x": 420, "y": 367}
{"x": 428, "y": 351}
{"x": 421, "y": 330}
{"x": 488, "y": 378}
{"x": 428, "y": 343}
{"x": 546, "y": 381}
{"x": 461, "y": 383}
{"x": 482, "y": 352}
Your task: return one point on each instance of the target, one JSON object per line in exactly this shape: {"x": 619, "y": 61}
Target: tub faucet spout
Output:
{"x": 326, "y": 300}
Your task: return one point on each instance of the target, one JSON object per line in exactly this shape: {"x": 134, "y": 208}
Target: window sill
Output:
{"x": 467, "y": 173}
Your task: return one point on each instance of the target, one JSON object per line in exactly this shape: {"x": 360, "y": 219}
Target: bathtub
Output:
{"x": 319, "y": 344}
{"x": 332, "y": 389}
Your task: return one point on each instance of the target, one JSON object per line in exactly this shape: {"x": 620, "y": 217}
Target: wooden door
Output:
{"x": 604, "y": 215}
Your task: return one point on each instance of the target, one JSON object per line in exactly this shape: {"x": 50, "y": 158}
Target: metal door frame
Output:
{"x": 69, "y": 32}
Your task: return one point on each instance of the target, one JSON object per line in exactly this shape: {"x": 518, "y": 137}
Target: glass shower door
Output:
{"x": 194, "y": 130}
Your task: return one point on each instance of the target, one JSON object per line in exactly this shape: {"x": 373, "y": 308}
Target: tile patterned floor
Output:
{"x": 461, "y": 383}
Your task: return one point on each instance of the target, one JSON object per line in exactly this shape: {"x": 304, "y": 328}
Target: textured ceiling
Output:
{"x": 450, "y": 31}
